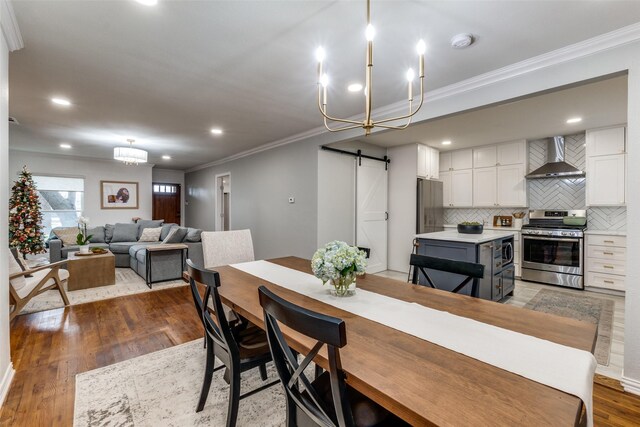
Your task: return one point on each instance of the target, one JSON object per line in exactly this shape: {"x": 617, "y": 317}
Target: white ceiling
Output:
{"x": 165, "y": 75}
{"x": 599, "y": 104}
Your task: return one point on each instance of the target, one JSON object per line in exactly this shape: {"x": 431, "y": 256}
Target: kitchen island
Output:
{"x": 493, "y": 248}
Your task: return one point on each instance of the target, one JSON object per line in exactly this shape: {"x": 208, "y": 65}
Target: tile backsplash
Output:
{"x": 568, "y": 193}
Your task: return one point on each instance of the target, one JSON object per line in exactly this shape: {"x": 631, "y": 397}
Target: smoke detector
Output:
{"x": 460, "y": 41}
{"x": 13, "y": 121}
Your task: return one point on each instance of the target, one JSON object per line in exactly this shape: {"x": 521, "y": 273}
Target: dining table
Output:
{"x": 419, "y": 381}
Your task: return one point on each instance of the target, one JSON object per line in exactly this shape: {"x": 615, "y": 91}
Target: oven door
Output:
{"x": 556, "y": 254}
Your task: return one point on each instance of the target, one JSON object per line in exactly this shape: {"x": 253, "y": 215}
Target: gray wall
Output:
{"x": 260, "y": 187}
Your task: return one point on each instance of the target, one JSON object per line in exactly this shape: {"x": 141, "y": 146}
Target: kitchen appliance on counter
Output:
{"x": 430, "y": 215}
{"x": 553, "y": 247}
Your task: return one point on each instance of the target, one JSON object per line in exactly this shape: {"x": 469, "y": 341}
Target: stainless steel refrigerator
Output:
{"x": 430, "y": 215}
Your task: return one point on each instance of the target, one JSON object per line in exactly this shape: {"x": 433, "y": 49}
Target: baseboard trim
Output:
{"x": 6, "y": 382}
{"x": 630, "y": 385}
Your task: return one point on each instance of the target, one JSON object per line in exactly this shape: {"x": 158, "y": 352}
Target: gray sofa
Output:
{"x": 122, "y": 241}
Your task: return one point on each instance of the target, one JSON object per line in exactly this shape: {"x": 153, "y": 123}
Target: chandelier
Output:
{"x": 368, "y": 123}
{"x": 130, "y": 155}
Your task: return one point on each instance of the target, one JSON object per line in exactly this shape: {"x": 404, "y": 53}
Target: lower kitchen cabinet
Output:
{"x": 606, "y": 261}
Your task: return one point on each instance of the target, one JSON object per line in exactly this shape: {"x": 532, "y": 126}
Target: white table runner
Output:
{"x": 564, "y": 368}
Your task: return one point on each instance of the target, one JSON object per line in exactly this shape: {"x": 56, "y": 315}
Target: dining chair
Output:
{"x": 24, "y": 284}
{"x": 226, "y": 247}
{"x": 472, "y": 271}
{"x": 327, "y": 400}
{"x": 239, "y": 349}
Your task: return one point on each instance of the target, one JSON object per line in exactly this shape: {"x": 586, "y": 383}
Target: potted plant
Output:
{"x": 82, "y": 239}
{"x": 339, "y": 264}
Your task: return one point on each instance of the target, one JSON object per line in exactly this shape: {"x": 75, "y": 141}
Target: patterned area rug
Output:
{"x": 163, "y": 388}
{"x": 127, "y": 283}
{"x": 581, "y": 307}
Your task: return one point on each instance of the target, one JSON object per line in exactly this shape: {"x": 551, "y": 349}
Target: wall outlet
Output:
{"x": 292, "y": 199}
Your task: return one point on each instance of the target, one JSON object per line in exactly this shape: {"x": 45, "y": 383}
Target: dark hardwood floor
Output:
{"x": 49, "y": 348}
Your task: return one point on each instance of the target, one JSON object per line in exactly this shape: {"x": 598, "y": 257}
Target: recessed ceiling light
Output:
{"x": 354, "y": 87}
{"x": 166, "y": 157}
{"x": 65, "y": 146}
{"x": 61, "y": 101}
{"x": 148, "y": 2}
{"x": 447, "y": 142}
{"x": 216, "y": 131}
{"x": 574, "y": 120}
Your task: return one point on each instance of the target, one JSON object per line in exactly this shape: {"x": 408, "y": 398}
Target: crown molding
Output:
{"x": 78, "y": 158}
{"x": 613, "y": 39}
{"x": 9, "y": 25}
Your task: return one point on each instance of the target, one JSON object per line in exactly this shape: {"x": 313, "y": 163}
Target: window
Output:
{"x": 61, "y": 199}
{"x": 165, "y": 188}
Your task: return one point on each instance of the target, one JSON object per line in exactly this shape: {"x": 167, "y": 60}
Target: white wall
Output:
{"x": 93, "y": 171}
{"x": 6, "y": 368}
{"x": 170, "y": 176}
{"x": 403, "y": 171}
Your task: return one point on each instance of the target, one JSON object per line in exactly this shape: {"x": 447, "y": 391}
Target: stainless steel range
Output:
{"x": 553, "y": 252}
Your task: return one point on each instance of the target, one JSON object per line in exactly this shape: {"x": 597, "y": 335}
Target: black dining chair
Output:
{"x": 239, "y": 349}
{"x": 472, "y": 271}
{"x": 326, "y": 401}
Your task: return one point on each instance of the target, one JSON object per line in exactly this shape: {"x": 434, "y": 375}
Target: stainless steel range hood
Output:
{"x": 556, "y": 167}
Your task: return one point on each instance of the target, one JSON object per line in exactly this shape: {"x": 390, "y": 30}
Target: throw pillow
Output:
{"x": 148, "y": 223}
{"x": 176, "y": 235}
{"x": 108, "y": 232}
{"x": 166, "y": 228}
{"x": 150, "y": 235}
{"x": 68, "y": 235}
{"x": 17, "y": 282}
{"x": 193, "y": 235}
{"x": 97, "y": 234}
{"x": 125, "y": 233}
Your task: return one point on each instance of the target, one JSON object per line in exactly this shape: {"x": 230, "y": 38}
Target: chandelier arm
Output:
{"x": 326, "y": 125}
{"x": 334, "y": 119}
{"x": 406, "y": 116}
{"x": 404, "y": 126}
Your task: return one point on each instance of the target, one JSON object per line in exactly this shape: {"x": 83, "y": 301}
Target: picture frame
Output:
{"x": 118, "y": 195}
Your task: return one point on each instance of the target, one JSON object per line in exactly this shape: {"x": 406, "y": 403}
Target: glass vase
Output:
{"x": 344, "y": 286}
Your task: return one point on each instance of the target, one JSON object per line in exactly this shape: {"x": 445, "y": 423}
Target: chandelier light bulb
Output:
{"x": 324, "y": 80}
{"x": 320, "y": 54}
{"x": 369, "y": 33}
{"x": 410, "y": 75}
{"x": 421, "y": 47}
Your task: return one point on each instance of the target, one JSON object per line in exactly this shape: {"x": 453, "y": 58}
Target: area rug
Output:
{"x": 127, "y": 283}
{"x": 163, "y": 388}
{"x": 590, "y": 309}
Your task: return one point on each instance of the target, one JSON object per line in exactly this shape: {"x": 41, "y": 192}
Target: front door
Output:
{"x": 371, "y": 212}
{"x": 166, "y": 202}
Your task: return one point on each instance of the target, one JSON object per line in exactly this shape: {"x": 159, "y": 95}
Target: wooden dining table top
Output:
{"x": 419, "y": 381}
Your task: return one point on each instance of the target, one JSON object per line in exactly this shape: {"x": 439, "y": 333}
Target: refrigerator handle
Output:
{"x": 386, "y": 216}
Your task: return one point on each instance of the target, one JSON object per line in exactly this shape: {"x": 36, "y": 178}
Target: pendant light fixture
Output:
{"x": 368, "y": 123}
{"x": 129, "y": 155}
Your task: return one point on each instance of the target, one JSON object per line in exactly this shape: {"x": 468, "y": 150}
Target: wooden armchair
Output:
{"x": 42, "y": 279}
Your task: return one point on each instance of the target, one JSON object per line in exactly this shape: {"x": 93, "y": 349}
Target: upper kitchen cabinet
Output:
{"x": 456, "y": 160}
{"x": 606, "y": 167}
{"x": 512, "y": 153}
{"x": 428, "y": 162}
{"x": 457, "y": 188}
{"x": 605, "y": 142}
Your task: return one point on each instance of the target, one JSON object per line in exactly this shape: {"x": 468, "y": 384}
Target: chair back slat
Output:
{"x": 472, "y": 271}
{"x": 327, "y": 330}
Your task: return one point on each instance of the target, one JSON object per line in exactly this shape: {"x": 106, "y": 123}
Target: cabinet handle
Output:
{"x": 608, "y": 281}
{"x": 609, "y": 241}
{"x": 609, "y": 266}
{"x": 607, "y": 253}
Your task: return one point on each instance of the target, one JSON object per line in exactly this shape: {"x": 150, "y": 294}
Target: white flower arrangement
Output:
{"x": 82, "y": 239}
{"x": 339, "y": 263}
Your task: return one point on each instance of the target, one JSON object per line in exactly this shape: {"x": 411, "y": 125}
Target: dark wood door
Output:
{"x": 166, "y": 202}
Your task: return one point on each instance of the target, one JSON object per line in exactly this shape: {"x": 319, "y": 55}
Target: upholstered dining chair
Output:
{"x": 327, "y": 400}
{"x": 226, "y": 247}
{"x": 240, "y": 349}
{"x": 471, "y": 271}
{"x": 28, "y": 283}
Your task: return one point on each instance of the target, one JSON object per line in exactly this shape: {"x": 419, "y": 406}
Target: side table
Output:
{"x": 163, "y": 249}
{"x": 91, "y": 271}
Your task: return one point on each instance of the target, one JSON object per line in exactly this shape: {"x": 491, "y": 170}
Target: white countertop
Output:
{"x": 606, "y": 232}
{"x": 487, "y": 227}
{"x": 454, "y": 236}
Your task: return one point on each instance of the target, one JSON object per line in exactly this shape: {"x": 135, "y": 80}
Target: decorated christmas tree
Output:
{"x": 25, "y": 218}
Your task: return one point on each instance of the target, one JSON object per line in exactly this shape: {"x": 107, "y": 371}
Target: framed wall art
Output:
{"x": 119, "y": 195}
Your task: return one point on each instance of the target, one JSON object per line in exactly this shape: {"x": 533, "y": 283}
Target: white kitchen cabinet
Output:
{"x": 428, "y": 162}
{"x": 512, "y": 187}
{"x": 499, "y": 186}
{"x": 512, "y": 153}
{"x": 457, "y": 188}
{"x": 456, "y": 160}
{"x": 484, "y": 157}
{"x": 606, "y": 180}
{"x": 604, "y": 142}
{"x": 606, "y": 262}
